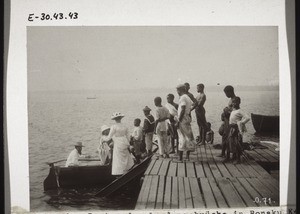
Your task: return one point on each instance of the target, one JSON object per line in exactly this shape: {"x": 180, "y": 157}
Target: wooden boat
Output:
{"x": 87, "y": 175}
{"x": 91, "y": 174}
{"x": 265, "y": 123}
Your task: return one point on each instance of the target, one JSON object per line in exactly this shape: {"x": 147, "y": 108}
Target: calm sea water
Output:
{"x": 58, "y": 119}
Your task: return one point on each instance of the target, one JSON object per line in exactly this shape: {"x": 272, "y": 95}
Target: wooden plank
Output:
{"x": 181, "y": 193}
{"x": 172, "y": 169}
{"x": 199, "y": 170}
{"x": 188, "y": 194}
{"x": 199, "y": 157}
{"x": 266, "y": 155}
{"x": 208, "y": 194}
{"x": 274, "y": 155}
{"x": 164, "y": 167}
{"x": 160, "y": 193}
{"x": 250, "y": 190}
{"x": 248, "y": 200}
{"x": 209, "y": 156}
{"x": 181, "y": 170}
{"x": 153, "y": 193}
{"x": 139, "y": 200}
{"x": 190, "y": 170}
{"x": 274, "y": 187}
{"x": 244, "y": 172}
{"x": 260, "y": 156}
{"x": 174, "y": 199}
{"x": 150, "y": 166}
{"x": 215, "y": 170}
{"x": 156, "y": 167}
{"x": 223, "y": 169}
{"x": 232, "y": 197}
{"x": 168, "y": 193}
{"x": 202, "y": 153}
{"x": 262, "y": 172}
{"x": 207, "y": 170}
{"x": 198, "y": 201}
{"x": 233, "y": 170}
{"x": 264, "y": 191}
{"x": 255, "y": 156}
{"x": 143, "y": 197}
{"x": 250, "y": 170}
{"x": 217, "y": 193}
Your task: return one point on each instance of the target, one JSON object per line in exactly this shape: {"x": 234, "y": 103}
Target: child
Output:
{"x": 104, "y": 146}
{"x": 237, "y": 121}
{"x": 148, "y": 129}
{"x": 136, "y": 139}
{"x": 209, "y": 134}
{"x": 224, "y": 131}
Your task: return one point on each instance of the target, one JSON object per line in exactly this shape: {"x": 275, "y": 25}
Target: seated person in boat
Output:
{"x": 136, "y": 139}
{"x": 237, "y": 121}
{"x": 75, "y": 155}
{"x": 209, "y": 134}
{"x": 104, "y": 148}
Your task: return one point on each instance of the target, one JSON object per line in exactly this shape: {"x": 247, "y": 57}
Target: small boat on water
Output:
{"x": 89, "y": 174}
{"x": 265, "y": 123}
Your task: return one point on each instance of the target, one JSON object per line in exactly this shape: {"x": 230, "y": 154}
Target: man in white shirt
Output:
{"x": 73, "y": 158}
{"x": 186, "y": 138}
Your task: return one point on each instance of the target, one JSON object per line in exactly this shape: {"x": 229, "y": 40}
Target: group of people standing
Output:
{"x": 172, "y": 126}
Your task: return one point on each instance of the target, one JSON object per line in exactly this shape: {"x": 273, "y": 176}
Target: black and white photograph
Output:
{"x": 153, "y": 117}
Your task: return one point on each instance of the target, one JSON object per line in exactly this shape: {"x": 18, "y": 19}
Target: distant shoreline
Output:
{"x": 208, "y": 89}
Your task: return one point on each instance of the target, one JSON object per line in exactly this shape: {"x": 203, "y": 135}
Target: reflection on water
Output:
{"x": 85, "y": 199}
{"x": 57, "y": 120}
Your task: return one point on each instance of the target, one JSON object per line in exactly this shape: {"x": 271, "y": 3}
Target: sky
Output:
{"x": 96, "y": 58}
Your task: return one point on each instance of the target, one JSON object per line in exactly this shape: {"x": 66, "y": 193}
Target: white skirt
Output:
{"x": 122, "y": 160}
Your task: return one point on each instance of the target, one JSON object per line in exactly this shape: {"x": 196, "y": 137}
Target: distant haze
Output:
{"x": 98, "y": 58}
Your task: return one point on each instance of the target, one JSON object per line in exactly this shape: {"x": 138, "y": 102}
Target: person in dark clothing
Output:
{"x": 148, "y": 129}
{"x": 191, "y": 96}
{"x": 224, "y": 132}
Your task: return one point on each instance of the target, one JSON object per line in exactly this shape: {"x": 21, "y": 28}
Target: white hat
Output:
{"x": 116, "y": 115}
{"x": 78, "y": 144}
{"x": 104, "y": 127}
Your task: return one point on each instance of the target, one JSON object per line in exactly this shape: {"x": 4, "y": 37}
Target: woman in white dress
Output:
{"x": 122, "y": 160}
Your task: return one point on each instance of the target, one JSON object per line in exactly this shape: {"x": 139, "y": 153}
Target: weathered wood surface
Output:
{"x": 206, "y": 182}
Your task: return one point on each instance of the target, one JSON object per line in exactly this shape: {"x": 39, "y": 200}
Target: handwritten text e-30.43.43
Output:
{"x": 52, "y": 16}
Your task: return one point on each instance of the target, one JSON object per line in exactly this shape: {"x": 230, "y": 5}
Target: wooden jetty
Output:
{"x": 267, "y": 157}
{"x": 206, "y": 182}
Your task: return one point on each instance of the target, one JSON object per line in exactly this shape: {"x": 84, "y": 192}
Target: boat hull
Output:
{"x": 265, "y": 124}
{"x": 78, "y": 176}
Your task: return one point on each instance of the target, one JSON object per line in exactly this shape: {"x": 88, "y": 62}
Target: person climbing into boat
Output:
{"x": 224, "y": 132}
{"x": 121, "y": 160}
{"x": 148, "y": 129}
{"x": 172, "y": 131}
{"x": 136, "y": 139}
{"x": 75, "y": 155}
{"x": 209, "y": 137}
{"x": 161, "y": 115}
{"x": 198, "y": 105}
{"x": 104, "y": 148}
{"x": 237, "y": 121}
{"x": 186, "y": 142}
